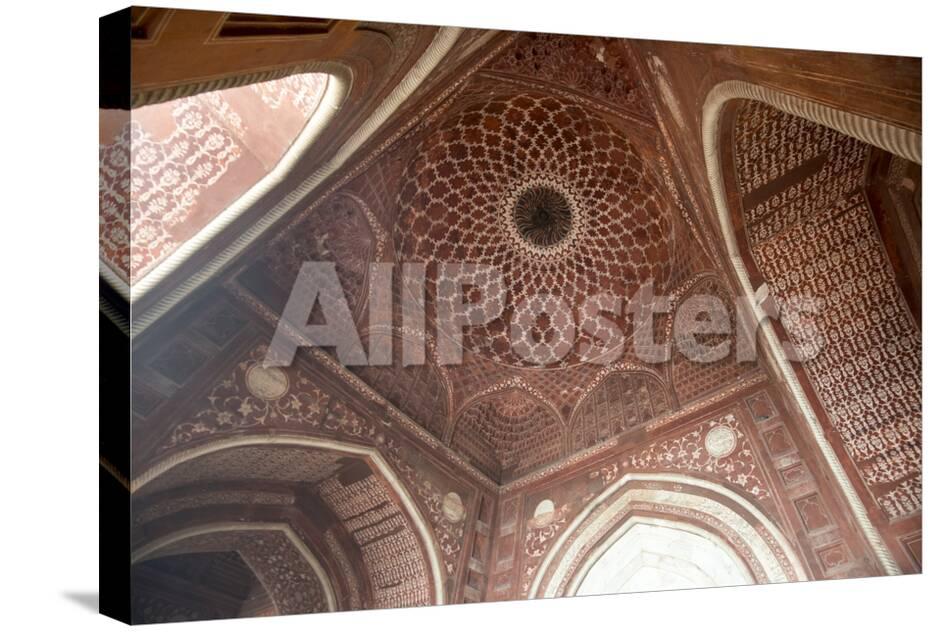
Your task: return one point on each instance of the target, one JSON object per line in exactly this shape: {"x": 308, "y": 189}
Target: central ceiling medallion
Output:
{"x": 543, "y": 216}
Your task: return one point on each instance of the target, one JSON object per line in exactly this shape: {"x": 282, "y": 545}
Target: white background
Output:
{"x": 49, "y": 396}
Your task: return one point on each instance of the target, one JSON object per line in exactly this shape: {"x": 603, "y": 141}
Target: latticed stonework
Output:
{"x": 703, "y": 362}
{"x": 338, "y": 231}
{"x": 459, "y": 203}
{"x": 390, "y": 549}
{"x": 818, "y": 239}
{"x": 418, "y": 390}
{"x": 377, "y": 192}
{"x": 596, "y": 66}
{"x": 284, "y": 464}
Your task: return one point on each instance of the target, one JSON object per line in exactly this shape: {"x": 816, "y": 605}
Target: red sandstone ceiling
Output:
{"x": 483, "y": 188}
{"x": 556, "y": 177}
{"x": 549, "y": 158}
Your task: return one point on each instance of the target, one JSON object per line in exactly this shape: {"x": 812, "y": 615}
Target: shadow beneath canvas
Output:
{"x": 88, "y": 600}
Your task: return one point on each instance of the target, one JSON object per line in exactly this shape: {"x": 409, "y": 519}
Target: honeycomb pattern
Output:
{"x": 508, "y": 435}
{"x": 458, "y": 204}
{"x": 339, "y": 231}
{"x": 594, "y": 66}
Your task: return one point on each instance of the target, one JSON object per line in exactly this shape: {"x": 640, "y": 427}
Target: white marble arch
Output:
{"x": 423, "y": 530}
{"x": 656, "y": 554}
{"x": 590, "y": 533}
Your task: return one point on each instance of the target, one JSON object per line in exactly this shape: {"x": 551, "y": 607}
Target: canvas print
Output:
{"x": 397, "y": 315}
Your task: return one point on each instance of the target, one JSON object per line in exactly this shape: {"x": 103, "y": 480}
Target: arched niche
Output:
{"x": 508, "y": 434}
{"x": 441, "y": 44}
{"x": 696, "y": 372}
{"x": 743, "y": 543}
{"x": 202, "y": 140}
{"x": 623, "y": 400}
{"x": 421, "y": 391}
{"x": 302, "y": 462}
{"x": 272, "y": 551}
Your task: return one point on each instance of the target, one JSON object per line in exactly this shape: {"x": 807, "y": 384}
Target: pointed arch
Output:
{"x": 621, "y": 399}
{"x": 237, "y": 535}
{"x": 654, "y": 553}
{"x": 703, "y": 505}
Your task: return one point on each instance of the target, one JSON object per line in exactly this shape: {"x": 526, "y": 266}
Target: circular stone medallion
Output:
{"x": 720, "y": 441}
{"x": 544, "y": 513}
{"x": 543, "y": 216}
{"x": 267, "y": 382}
{"x": 453, "y": 507}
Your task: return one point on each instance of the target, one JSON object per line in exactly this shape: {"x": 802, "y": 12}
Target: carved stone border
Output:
{"x": 170, "y": 93}
{"x": 897, "y": 140}
{"x": 587, "y": 454}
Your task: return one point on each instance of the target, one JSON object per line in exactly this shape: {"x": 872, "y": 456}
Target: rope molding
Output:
{"x": 111, "y": 312}
{"x": 160, "y": 95}
{"x": 897, "y": 140}
{"x": 113, "y": 471}
{"x": 114, "y": 281}
{"x": 436, "y": 51}
{"x": 893, "y": 138}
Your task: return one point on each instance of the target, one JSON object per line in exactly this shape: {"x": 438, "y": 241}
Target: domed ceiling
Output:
{"x": 555, "y": 198}
{"x": 559, "y": 180}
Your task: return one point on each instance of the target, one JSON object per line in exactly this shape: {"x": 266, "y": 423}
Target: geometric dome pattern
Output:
{"x": 559, "y": 202}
